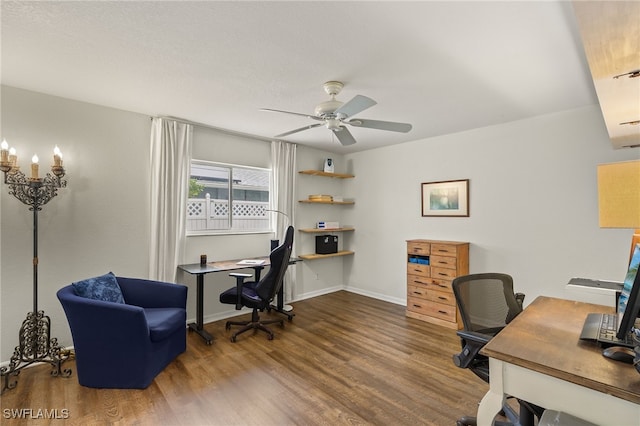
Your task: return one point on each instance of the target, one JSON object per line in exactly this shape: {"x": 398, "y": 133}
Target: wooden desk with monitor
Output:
{"x": 539, "y": 358}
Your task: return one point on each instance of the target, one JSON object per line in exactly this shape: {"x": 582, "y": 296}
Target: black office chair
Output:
{"x": 259, "y": 295}
{"x": 486, "y": 303}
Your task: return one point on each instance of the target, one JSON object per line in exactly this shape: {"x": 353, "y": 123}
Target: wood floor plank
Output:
{"x": 345, "y": 359}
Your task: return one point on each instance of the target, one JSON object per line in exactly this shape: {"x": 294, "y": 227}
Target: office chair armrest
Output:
{"x": 240, "y": 277}
{"x": 472, "y": 342}
{"x": 474, "y": 336}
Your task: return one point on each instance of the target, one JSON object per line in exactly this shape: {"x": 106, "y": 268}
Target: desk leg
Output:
{"x": 198, "y": 327}
{"x": 257, "y": 272}
{"x": 492, "y": 402}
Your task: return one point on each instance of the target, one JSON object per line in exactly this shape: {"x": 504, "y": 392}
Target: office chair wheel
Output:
{"x": 233, "y": 339}
{"x": 466, "y": 421}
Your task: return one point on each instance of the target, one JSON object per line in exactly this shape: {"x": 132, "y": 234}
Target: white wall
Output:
{"x": 99, "y": 223}
{"x": 533, "y": 204}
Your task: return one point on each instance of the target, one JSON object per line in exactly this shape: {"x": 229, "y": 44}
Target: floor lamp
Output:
{"x": 619, "y": 197}
{"x": 35, "y": 342}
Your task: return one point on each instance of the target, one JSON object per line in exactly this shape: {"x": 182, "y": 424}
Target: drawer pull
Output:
{"x": 418, "y": 282}
{"x": 442, "y": 298}
{"x": 417, "y": 306}
{"x": 417, "y": 292}
{"x": 443, "y": 312}
{"x": 440, "y": 273}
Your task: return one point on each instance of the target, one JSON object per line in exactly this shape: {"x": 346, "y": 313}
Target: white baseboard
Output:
{"x": 378, "y": 296}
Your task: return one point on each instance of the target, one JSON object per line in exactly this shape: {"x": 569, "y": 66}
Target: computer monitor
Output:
{"x": 629, "y": 300}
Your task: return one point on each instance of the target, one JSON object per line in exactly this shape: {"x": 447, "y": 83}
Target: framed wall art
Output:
{"x": 446, "y": 198}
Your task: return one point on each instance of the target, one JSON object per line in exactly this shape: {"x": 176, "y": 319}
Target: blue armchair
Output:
{"x": 126, "y": 345}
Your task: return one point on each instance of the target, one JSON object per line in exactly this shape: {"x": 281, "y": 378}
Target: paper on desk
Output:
{"x": 251, "y": 262}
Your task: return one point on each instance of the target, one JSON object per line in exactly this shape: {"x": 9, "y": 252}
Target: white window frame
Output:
{"x": 231, "y": 230}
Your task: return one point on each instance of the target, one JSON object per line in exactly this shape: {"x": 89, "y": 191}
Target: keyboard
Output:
{"x": 602, "y": 328}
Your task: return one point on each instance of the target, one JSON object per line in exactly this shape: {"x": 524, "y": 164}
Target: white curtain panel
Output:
{"x": 283, "y": 157}
{"x": 171, "y": 146}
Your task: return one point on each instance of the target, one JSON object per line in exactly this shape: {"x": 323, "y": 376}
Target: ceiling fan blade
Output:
{"x": 358, "y": 104}
{"x": 313, "y": 117}
{"x": 344, "y": 136}
{"x": 310, "y": 126}
{"x": 380, "y": 125}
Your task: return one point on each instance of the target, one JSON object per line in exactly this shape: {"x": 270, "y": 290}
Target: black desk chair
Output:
{"x": 486, "y": 303}
{"x": 258, "y": 295}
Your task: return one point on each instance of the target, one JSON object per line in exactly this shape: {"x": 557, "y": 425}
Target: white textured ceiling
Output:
{"x": 444, "y": 67}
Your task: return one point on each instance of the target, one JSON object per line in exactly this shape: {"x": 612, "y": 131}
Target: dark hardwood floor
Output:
{"x": 345, "y": 359}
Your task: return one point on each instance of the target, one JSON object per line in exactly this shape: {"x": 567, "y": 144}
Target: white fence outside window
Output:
{"x": 206, "y": 214}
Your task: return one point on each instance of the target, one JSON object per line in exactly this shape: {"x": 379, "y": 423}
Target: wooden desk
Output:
{"x": 225, "y": 266}
{"x": 539, "y": 358}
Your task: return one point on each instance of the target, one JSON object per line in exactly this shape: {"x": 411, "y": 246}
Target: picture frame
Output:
{"x": 449, "y": 198}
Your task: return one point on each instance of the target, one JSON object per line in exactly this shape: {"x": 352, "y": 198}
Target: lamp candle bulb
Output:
{"x": 13, "y": 158}
{"x": 34, "y": 167}
{"x": 4, "y": 151}
{"x": 57, "y": 157}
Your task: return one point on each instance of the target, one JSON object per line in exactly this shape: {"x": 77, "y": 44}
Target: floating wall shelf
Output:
{"x": 326, "y": 202}
{"x": 323, "y": 256}
{"x": 326, "y": 174}
{"x": 316, "y": 230}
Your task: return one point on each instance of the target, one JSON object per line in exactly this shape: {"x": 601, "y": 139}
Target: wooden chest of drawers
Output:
{"x": 431, "y": 266}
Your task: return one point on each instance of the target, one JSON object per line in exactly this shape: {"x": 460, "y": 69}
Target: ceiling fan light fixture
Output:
{"x": 327, "y": 107}
{"x": 334, "y": 124}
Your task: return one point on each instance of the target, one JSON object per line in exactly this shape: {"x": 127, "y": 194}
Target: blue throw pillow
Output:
{"x": 104, "y": 287}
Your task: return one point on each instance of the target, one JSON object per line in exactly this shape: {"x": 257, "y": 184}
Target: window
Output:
{"x": 227, "y": 198}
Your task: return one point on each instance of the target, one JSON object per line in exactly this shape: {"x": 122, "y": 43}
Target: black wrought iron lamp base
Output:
{"x": 35, "y": 346}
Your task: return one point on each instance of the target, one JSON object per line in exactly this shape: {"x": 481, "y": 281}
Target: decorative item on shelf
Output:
{"x": 328, "y": 165}
{"x": 320, "y": 197}
{"x": 326, "y": 244}
{"x": 35, "y": 342}
{"x": 327, "y": 225}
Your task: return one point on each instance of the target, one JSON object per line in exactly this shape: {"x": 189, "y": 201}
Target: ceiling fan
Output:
{"x": 334, "y": 114}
